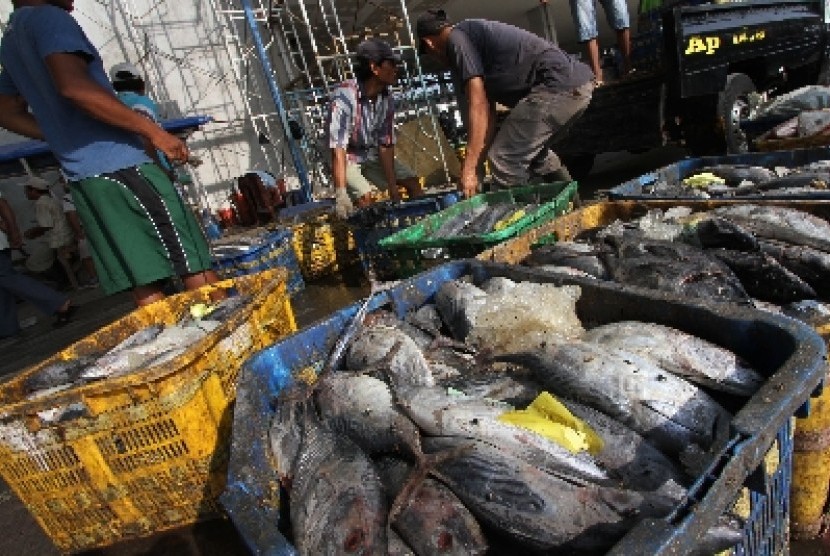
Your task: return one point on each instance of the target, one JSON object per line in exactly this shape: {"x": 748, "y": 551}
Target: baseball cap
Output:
{"x": 37, "y": 183}
{"x": 430, "y": 23}
{"x": 125, "y": 72}
{"x": 376, "y": 50}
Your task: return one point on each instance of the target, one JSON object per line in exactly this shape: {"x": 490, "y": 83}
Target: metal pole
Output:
{"x": 305, "y": 185}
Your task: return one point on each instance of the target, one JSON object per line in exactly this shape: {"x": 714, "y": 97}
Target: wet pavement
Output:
{"x": 21, "y": 534}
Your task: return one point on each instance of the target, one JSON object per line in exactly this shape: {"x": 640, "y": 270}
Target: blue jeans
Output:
{"x": 14, "y": 285}
{"x": 585, "y": 17}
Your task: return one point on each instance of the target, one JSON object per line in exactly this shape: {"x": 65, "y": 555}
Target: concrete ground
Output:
{"x": 21, "y": 536}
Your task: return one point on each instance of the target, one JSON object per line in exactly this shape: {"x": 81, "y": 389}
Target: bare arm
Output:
{"x": 387, "y": 162}
{"x": 8, "y": 224}
{"x": 338, "y": 167}
{"x": 15, "y": 116}
{"x": 480, "y": 122}
{"x": 71, "y": 78}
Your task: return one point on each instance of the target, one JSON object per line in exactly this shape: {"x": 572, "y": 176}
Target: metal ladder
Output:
{"x": 251, "y": 44}
{"x": 319, "y": 38}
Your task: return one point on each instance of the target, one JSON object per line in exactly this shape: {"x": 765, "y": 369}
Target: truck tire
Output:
{"x": 733, "y": 106}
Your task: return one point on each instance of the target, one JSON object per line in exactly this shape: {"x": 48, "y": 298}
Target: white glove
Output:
{"x": 343, "y": 206}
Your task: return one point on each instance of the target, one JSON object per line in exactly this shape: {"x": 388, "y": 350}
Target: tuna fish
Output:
{"x": 734, "y": 174}
{"x": 811, "y": 265}
{"x": 362, "y": 408}
{"x": 764, "y": 277}
{"x": 682, "y": 354}
{"x": 670, "y": 412}
{"x": 432, "y": 520}
{"x": 721, "y": 233}
{"x": 58, "y": 374}
{"x": 537, "y": 509}
{"x": 635, "y": 463}
{"x": 438, "y": 414}
{"x": 458, "y": 303}
{"x": 780, "y": 223}
{"x": 580, "y": 256}
{"x": 396, "y": 353}
{"x": 336, "y": 496}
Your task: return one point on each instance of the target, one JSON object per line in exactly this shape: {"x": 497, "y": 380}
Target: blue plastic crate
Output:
{"x": 788, "y": 352}
{"x": 372, "y": 224}
{"x": 640, "y": 188}
{"x": 275, "y": 249}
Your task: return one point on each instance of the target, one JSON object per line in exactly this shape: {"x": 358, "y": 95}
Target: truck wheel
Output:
{"x": 579, "y": 165}
{"x": 733, "y": 106}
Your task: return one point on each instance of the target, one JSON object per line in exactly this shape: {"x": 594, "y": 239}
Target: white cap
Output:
{"x": 125, "y": 71}
{"x": 37, "y": 183}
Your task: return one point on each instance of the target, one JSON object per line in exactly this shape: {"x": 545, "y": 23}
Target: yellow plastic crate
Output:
{"x": 147, "y": 451}
{"x": 323, "y": 245}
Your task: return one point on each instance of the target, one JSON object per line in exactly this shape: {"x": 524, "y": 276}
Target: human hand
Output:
{"x": 173, "y": 147}
{"x": 469, "y": 184}
{"x": 343, "y": 206}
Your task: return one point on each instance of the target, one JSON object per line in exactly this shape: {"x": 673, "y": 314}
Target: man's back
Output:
{"x": 511, "y": 60}
{"x": 83, "y": 145}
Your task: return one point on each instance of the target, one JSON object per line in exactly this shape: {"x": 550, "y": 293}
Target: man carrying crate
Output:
{"x": 362, "y": 133}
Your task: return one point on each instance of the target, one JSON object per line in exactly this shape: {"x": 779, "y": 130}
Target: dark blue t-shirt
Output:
{"x": 84, "y": 146}
{"x": 512, "y": 61}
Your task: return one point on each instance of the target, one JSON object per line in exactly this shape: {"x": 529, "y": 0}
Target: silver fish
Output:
{"x": 682, "y": 354}
{"x": 362, "y": 407}
{"x": 432, "y": 520}
{"x": 458, "y": 302}
{"x": 535, "y": 508}
{"x": 781, "y": 223}
{"x": 667, "y": 410}
{"x": 394, "y": 351}
{"x": 336, "y": 499}
{"x": 439, "y": 414}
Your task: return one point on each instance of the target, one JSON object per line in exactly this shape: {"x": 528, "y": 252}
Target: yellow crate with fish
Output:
{"x": 323, "y": 245}
{"x": 805, "y": 257}
{"x": 125, "y": 432}
{"x": 600, "y": 474}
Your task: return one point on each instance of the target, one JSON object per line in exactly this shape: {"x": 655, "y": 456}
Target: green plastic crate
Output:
{"x": 408, "y": 244}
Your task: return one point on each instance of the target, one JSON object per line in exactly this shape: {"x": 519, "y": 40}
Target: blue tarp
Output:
{"x": 38, "y": 155}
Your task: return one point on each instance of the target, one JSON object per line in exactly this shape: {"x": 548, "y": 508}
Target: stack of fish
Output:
{"x": 151, "y": 346}
{"x": 476, "y": 220}
{"x": 736, "y": 180}
{"x": 407, "y": 450}
{"x": 741, "y": 253}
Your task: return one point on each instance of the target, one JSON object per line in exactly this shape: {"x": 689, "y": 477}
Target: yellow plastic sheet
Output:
{"x": 703, "y": 179}
{"x": 547, "y": 417}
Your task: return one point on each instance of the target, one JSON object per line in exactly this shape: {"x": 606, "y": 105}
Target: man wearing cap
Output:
{"x": 138, "y": 228}
{"x": 362, "y": 133}
{"x": 492, "y": 62}
{"x": 51, "y": 224}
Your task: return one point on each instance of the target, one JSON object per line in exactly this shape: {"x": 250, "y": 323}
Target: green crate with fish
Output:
{"x": 505, "y": 410}
{"x": 126, "y": 432}
{"x": 468, "y": 227}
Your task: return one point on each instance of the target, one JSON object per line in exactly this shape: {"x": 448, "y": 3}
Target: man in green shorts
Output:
{"x": 138, "y": 229}
{"x": 362, "y": 132}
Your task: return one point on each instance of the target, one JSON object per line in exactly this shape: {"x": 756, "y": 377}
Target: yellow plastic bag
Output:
{"x": 703, "y": 179}
{"x": 547, "y": 417}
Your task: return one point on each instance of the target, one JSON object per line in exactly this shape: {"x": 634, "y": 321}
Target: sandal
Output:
{"x": 62, "y": 317}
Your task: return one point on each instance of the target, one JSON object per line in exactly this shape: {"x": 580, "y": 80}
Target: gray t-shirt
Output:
{"x": 512, "y": 61}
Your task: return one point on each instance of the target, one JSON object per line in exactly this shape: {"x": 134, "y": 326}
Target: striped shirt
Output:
{"x": 358, "y": 124}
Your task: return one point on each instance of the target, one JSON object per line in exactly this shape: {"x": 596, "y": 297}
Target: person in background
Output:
{"x": 14, "y": 285}
{"x": 53, "y": 86}
{"x": 81, "y": 244}
{"x": 491, "y": 62}
{"x": 131, "y": 89}
{"x": 263, "y": 194}
{"x": 585, "y": 20}
{"x": 362, "y": 133}
{"x": 51, "y": 224}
